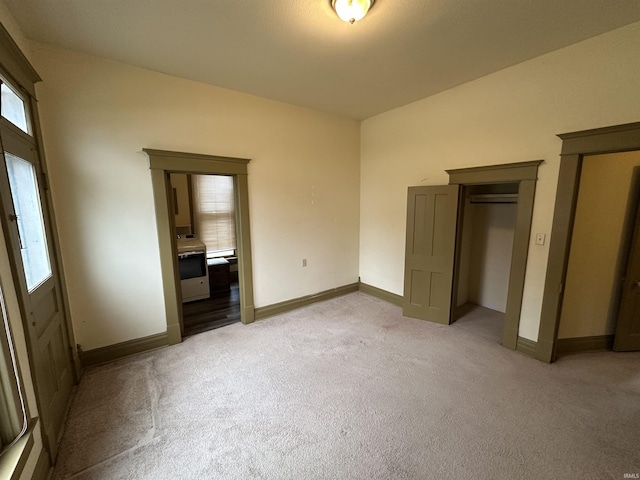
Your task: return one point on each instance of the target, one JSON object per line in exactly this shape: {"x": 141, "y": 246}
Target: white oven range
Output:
{"x": 194, "y": 274}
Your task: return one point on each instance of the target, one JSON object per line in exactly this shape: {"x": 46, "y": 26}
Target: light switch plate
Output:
{"x": 540, "y": 238}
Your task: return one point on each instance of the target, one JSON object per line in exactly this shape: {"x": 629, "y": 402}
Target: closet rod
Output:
{"x": 493, "y": 198}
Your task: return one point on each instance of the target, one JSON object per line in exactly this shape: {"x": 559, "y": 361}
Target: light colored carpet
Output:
{"x": 350, "y": 389}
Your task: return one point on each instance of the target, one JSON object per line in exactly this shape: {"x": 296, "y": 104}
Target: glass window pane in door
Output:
{"x": 26, "y": 203}
{"x": 13, "y": 108}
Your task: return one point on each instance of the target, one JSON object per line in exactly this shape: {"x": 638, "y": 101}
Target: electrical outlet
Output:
{"x": 540, "y": 238}
{"x": 304, "y": 262}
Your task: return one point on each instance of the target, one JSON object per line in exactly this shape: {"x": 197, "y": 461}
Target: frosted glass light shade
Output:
{"x": 351, "y": 10}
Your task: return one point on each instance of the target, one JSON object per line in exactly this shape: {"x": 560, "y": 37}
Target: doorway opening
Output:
{"x": 205, "y": 235}
{"x": 600, "y": 245}
{"x": 163, "y": 164}
{"x": 575, "y": 147}
{"x": 488, "y": 224}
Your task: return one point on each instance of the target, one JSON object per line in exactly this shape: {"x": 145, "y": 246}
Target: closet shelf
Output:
{"x": 494, "y": 198}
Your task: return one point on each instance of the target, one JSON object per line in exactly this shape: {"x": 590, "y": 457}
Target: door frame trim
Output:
{"x": 19, "y": 72}
{"x": 575, "y": 146}
{"x": 525, "y": 174}
{"x": 164, "y": 162}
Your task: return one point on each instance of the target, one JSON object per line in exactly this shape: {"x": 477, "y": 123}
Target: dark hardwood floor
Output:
{"x": 223, "y": 308}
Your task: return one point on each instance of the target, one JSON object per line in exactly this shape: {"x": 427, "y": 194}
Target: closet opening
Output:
{"x": 487, "y": 229}
{"x": 438, "y": 275}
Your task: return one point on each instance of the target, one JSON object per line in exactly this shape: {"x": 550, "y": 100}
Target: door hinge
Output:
{"x": 45, "y": 181}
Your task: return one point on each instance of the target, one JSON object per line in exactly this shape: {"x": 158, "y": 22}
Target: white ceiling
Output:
{"x": 299, "y": 52}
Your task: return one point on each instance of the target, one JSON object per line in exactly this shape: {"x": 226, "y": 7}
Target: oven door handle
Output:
{"x": 189, "y": 254}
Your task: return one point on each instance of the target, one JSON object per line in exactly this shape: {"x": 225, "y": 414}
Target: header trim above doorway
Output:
{"x": 195, "y": 162}
{"x": 505, "y": 173}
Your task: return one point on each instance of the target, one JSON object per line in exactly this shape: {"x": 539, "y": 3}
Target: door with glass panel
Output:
{"x": 26, "y": 221}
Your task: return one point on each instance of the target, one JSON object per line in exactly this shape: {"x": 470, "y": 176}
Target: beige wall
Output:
{"x": 510, "y": 116}
{"x": 490, "y": 243}
{"x": 597, "y": 261}
{"x": 14, "y": 30}
{"x": 10, "y": 294}
{"x": 97, "y": 115}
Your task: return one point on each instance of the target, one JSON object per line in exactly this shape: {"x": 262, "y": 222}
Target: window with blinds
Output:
{"x": 214, "y": 211}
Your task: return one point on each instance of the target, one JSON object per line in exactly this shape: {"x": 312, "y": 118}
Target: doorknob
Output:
{"x": 13, "y": 217}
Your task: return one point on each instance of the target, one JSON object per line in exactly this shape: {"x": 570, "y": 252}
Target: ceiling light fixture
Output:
{"x": 351, "y": 10}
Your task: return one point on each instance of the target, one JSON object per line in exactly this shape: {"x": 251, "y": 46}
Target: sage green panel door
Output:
{"x": 432, "y": 214}
{"x": 628, "y": 327}
{"x": 26, "y": 220}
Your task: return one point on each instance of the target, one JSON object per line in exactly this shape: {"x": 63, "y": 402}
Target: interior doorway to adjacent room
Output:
{"x": 600, "y": 285}
{"x": 162, "y": 164}
{"x": 576, "y": 147}
{"x": 205, "y": 233}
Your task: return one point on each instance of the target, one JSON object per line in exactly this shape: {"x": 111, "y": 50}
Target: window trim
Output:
{"x": 14, "y": 459}
{"x": 15, "y": 67}
{"x": 14, "y": 403}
